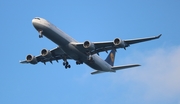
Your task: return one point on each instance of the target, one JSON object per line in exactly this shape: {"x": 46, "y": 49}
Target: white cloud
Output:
{"x": 158, "y": 77}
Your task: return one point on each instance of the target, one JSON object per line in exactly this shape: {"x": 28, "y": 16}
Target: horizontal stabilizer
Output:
{"x": 24, "y": 62}
{"x": 97, "y": 72}
{"x": 116, "y": 68}
{"x": 124, "y": 66}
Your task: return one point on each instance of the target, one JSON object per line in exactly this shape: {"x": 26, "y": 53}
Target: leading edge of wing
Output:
{"x": 138, "y": 40}
{"x": 99, "y": 46}
{"x": 95, "y": 43}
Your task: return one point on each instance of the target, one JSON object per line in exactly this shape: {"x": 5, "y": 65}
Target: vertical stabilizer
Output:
{"x": 111, "y": 57}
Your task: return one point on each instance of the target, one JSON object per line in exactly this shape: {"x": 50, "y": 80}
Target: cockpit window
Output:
{"x": 37, "y": 18}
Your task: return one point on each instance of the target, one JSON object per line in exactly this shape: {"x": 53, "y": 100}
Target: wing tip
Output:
{"x": 159, "y": 35}
{"x": 135, "y": 65}
{"x": 138, "y": 65}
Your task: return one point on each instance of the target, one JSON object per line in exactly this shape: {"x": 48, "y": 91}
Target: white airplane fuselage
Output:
{"x": 63, "y": 40}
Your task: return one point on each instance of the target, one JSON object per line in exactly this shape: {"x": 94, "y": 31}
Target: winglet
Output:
{"x": 159, "y": 36}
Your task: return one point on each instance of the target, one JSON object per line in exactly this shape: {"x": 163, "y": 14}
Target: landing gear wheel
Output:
{"x": 77, "y": 63}
{"x": 66, "y": 64}
{"x": 40, "y": 36}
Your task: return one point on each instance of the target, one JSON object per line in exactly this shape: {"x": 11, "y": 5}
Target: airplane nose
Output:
{"x": 33, "y": 21}
{"x": 36, "y": 23}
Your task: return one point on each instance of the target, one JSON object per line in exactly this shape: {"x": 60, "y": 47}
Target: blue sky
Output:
{"x": 156, "y": 81}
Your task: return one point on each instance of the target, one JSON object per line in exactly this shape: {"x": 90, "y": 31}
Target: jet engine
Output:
{"x": 31, "y": 59}
{"x": 88, "y": 45}
{"x": 46, "y": 53}
{"x": 119, "y": 42}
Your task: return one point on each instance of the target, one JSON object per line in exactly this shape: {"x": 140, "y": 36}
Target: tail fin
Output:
{"x": 111, "y": 57}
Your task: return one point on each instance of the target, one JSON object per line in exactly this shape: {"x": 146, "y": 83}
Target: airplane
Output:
{"x": 82, "y": 52}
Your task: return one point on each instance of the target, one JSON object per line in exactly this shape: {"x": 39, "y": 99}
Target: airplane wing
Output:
{"x": 133, "y": 41}
{"x": 55, "y": 54}
{"x": 109, "y": 45}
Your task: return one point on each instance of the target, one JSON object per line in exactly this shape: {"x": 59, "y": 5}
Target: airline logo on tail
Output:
{"x": 111, "y": 57}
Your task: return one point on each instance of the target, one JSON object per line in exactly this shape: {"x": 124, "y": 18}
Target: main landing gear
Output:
{"x": 66, "y": 64}
{"x": 78, "y": 62}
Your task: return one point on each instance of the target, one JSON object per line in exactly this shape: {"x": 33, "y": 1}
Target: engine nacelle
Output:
{"x": 31, "y": 59}
{"x": 46, "y": 53}
{"x": 119, "y": 42}
{"x": 88, "y": 45}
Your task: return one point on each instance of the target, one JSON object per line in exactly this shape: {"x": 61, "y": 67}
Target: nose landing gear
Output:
{"x": 40, "y": 33}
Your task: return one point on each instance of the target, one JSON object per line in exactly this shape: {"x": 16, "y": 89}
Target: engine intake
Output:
{"x": 119, "y": 42}
{"x": 31, "y": 59}
{"x": 88, "y": 45}
{"x": 46, "y": 53}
